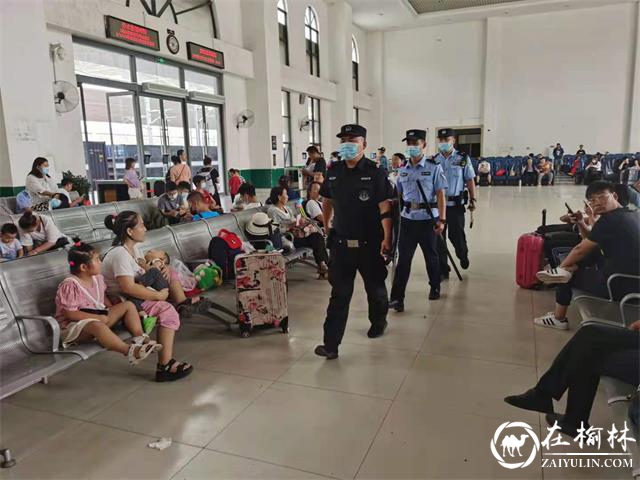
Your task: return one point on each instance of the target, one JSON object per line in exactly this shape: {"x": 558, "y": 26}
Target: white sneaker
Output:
{"x": 554, "y": 275}
{"x": 549, "y": 320}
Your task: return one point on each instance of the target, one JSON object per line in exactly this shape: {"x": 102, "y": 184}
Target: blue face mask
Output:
{"x": 445, "y": 147}
{"x": 413, "y": 151}
{"x": 45, "y": 170}
{"x": 183, "y": 196}
{"x": 348, "y": 151}
{"x": 55, "y": 203}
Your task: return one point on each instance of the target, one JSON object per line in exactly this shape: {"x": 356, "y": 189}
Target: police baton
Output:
{"x": 441, "y": 237}
{"x": 471, "y": 223}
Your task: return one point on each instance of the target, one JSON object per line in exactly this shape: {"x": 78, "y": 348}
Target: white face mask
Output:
{"x": 203, "y": 185}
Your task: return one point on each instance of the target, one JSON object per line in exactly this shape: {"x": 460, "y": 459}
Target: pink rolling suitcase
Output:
{"x": 261, "y": 291}
{"x": 529, "y": 259}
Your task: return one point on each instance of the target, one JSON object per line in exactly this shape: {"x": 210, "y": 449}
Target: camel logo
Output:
{"x": 512, "y": 444}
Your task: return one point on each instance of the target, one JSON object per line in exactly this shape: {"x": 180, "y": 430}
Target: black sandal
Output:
{"x": 184, "y": 308}
{"x": 164, "y": 373}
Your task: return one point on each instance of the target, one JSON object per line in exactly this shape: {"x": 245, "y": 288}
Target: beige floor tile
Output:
{"x": 299, "y": 427}
{"x": 191, "y": 411}
{"x": 417, "y": 442}
{"x": 210, "y": 465}
{"x": 24, "y": 430}
{"x": 97, "y": 452}
{"x": 366, "y": 370}
{"x": 468, "y": 385}
{"x": 267, "y": 354}
{"x": 87, "y": 388}
{"x": 500, "y": 343}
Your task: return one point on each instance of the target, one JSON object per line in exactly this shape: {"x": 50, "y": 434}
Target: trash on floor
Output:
{"x": 161, "y": 444}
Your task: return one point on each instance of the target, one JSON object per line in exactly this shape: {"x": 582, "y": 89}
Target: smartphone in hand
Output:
{"x": 568, "y": 208}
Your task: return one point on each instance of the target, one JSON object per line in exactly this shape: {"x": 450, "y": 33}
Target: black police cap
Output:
{"x": 446, "y": 132}
{"x": 415, "y": 135}
{"x": 352, "y": 130}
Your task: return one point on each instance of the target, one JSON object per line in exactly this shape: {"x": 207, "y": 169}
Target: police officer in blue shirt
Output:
{"x": 421, "y": 222}
{"x": 460, "y": 177}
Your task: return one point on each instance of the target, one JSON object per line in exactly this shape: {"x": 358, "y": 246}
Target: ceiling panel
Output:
{"x": 431, "y": 6}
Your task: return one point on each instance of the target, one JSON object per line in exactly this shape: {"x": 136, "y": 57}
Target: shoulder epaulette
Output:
{"x": 433, "y": 160}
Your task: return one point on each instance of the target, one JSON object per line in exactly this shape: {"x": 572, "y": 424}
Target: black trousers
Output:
{"x": 343, "y": 265}
{"x": 315, "y": 241}
{"x": 529, "y": 179}
{"x": 412, "y": 234}
{"x": 594, "y": 351}
{"x": 457, "y": 237}
{"x": 589, "y": 280}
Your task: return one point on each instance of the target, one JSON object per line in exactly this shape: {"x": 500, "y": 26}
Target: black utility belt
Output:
{"x": 419, "y": 206}
{"x": 352, "y": 243}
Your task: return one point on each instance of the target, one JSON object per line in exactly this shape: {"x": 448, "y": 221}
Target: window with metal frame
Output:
{"x": 286, "y": 127}
{"x": 283, "y": 31}
{"x": 356, "y": 116}
{"x": 313, "y": 111}
{"x": 311, "y": 34}
{"x": 355, "y": 63}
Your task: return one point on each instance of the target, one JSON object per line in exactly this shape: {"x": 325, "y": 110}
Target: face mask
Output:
{"x": 445, "y": 147}
{"x": 183, "y": 196}
{"x": 203, "y": 185}
{"x": 413, "y": 151}
{"x": 349, "y": 151}
{"x": 55, "y": 203}
{"x": 45, "y": 170}
{"x": 174, "y": 196}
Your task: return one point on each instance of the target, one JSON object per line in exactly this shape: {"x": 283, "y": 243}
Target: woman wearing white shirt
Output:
{"x": 285, "y": 219}
{"x": 40, "y": 185}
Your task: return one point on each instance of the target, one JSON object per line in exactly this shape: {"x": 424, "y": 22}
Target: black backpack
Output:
{"x": 223, "y": 256}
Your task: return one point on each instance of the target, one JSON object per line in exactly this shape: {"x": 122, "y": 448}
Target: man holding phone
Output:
{"x": 617, "y": 234}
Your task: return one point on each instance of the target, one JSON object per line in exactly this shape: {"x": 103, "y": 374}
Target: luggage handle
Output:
{"x": 544, "y": 217}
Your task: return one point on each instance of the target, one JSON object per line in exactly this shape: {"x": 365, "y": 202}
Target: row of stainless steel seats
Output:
{"x": 620, "y": 314}
{"x": 87, "y": 223}
{"x": 28, "y": 288}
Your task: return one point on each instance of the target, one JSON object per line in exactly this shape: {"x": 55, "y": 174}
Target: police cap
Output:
{"x": 446, "y": 132}
{"x": 352, "y": 130}
{"x": 415, "y": 135}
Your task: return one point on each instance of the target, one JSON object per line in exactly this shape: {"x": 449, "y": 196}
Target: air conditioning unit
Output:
{"x": 206, "y": 97}
{"x": 159, "y": 89}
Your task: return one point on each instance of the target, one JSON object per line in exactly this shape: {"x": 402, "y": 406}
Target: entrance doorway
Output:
{"x": 469, "y": 140}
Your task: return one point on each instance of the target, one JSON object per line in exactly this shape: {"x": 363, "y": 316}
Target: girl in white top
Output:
{"x": 39, "y": 234}
{"x": 121, "y": 268}
{"x": 40, "y": 185}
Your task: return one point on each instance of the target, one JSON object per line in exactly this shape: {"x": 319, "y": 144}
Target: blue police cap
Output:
{"x": 446, "y": 132}
{"x": 415, "y": 135}
{"x": 352, "y": 130}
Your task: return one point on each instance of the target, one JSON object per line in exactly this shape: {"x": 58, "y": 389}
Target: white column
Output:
{"x": 633, "y": 143}
{"x": 491, "y": 142}
{"x": 263, "y": 91}
{"x": 340, "y": 31}
{"x": 28, "y": 113}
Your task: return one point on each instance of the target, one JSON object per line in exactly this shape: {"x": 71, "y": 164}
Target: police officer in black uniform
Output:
{"x": 359, "y": 194}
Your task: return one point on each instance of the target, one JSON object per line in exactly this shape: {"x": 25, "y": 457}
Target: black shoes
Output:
{"x": 322, "y": 351}
{"x": 565, "y": 427}
{"x": 464, "y": 263}
{"x": 397, "y": 305}
{"x": 434, "y": 294}
{"x": 377, "y": 329}
{"x": 531, "y": 400}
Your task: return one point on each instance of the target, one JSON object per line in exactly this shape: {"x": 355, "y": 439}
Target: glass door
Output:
{"x": 162, "y": 125}
{"x": 197, "y": 151}
{"x": 213, "y": 140}
{"x": 122, "y": 127}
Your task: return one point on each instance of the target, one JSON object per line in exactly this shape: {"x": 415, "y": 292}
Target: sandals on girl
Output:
{"x": 142, "y": 340}
{"x": 138, "y": 352}
{"x": 164, "y": 373}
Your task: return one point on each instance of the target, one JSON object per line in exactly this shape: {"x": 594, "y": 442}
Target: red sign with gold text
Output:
{"x": 132, "y": 33}
{"x": 201, "y": 54}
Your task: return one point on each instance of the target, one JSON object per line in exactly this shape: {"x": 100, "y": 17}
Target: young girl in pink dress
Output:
{"x": 86, "y": 314}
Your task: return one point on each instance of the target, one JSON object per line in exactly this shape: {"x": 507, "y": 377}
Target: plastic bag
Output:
{"x": 187, "y": 278}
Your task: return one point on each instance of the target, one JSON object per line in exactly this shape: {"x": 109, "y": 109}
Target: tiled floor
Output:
{"x": 421, "y": 402}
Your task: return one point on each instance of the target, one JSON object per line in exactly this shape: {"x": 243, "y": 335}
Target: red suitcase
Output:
{"x": 529, "y": 259}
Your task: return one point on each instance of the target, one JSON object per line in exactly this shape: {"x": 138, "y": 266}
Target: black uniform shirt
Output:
{"x": 356, "y": 193}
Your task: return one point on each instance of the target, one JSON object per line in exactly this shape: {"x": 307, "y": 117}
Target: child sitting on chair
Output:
{"x": 10, "y": 246}
{"x": 85, "y": 313}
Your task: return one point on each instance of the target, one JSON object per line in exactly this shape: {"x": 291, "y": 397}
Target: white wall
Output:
{"x": 433, "y": 77}
{"x": 531, "y": 80}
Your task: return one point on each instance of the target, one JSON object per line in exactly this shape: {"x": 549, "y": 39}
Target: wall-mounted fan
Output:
{"x": 245, "y": 119}
{"x": 305, "y": 124}
{"x": 65, "y": 96}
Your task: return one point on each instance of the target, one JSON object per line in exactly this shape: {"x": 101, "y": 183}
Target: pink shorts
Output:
{"x": 167, "y": 315}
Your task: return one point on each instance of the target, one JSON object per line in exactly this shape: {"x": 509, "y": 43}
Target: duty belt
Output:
{"x": 419, "y": 206}
{"x": 457, "y": 198}
{"x": 352, "y": 243}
